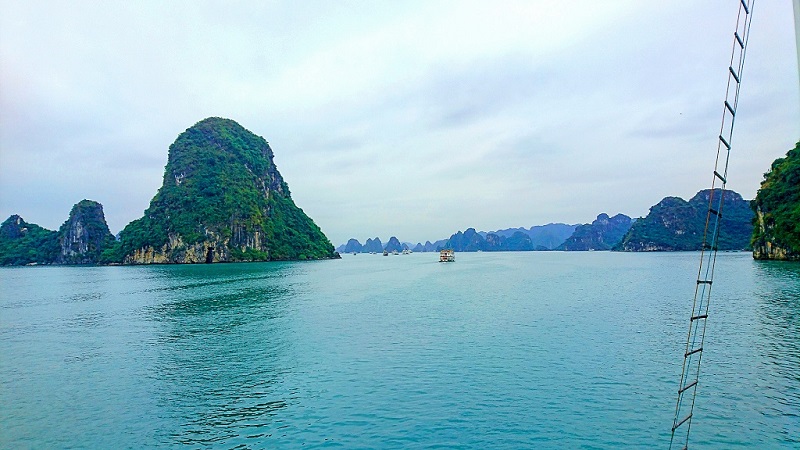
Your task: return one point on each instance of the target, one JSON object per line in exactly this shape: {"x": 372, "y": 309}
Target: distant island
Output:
{"x": 602, "y": 234}
{"x": 80, "y": 240}
{"x": 673, "y": 224}
{"x": 222, "y": 200}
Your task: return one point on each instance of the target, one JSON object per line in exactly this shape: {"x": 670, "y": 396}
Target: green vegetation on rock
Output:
{"x": 80, "y": 240}
{"x": 776, "y": 234}
{"x": 677, "y": 225}
{"x": 222, "y": 199}
{"x": 24, "y": 243}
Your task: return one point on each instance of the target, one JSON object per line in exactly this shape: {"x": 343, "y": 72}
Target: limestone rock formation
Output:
{"x": 373, "y": 246}
{"x": 24, "y": 243}
{"x": 776, "y": 234}
{"x": 393, "y": 245}
{"x": 353, "y": 246}
{"x": 222, "y": 199}
{"x": 85, "y": 235}
{"x": 602, "y": 234}
{"x": 677, "y": 225}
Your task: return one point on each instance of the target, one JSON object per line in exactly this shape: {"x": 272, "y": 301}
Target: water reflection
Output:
{"x": 224, "y": 346}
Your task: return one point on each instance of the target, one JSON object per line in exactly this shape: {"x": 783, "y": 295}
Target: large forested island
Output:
{"x": 222, "y": 200}
{"x": 674, "y": 224}
{"x": 777, "y": 207}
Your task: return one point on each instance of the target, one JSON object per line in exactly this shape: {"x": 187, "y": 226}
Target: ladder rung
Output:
{"x": 746, "y": 9}
{"x": 715, "y": 212}
{"x": 717, "y": 174}
{"x": 701, "y": 316}
{"x": 704, "y": 281}
{"x": 687, "y": 387}
{"x": 724, "y": 142}
{"x": 738, "y": 39}
{"x": 675, "y": 427}
{"x": 736, "y": 77}
{"x": 698, "y": 349}
{"x": 730, "y": 108}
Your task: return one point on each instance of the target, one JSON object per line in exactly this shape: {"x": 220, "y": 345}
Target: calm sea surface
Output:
{"x": 497, "y": 350}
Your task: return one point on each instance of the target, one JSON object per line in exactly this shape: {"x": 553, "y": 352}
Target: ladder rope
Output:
{"x": 693, "y": 353}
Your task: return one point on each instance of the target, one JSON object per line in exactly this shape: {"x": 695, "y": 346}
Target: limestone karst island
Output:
{"x": 222, "y": 200}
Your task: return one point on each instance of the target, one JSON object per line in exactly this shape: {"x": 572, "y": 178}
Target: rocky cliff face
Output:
{"x": 222, "y": 199}
{"x": 84, "y": 236}
{"x": 776, "y": 234}
{"x": 602, "y": 234}
{"x": 767, "y": 246}
{"x": 674, "y": 224}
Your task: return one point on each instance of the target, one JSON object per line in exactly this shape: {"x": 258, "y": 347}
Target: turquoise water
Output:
{"x": 496, "y": 350}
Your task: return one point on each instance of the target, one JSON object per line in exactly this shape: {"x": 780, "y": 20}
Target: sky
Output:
{"x": 394, "y": 118}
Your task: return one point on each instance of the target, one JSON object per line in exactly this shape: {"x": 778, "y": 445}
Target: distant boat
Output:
{"x": 395, "y": 252}
{"x": 385, "y": 253}
{"x": 447, "y": 256}
{"x": 406, "y": 252}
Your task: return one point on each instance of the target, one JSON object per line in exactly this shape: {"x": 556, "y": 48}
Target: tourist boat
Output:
{"x": 447, "y": 256}
{"x": 385, "y": 253}
{"x": 395, "y": 252}
{"x": 406, "y": 252}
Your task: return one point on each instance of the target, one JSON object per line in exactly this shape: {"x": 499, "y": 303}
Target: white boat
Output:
{"x": 447, "y": 255}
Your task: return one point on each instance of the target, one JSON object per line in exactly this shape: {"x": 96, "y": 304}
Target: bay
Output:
{"x": 496, "y": 350}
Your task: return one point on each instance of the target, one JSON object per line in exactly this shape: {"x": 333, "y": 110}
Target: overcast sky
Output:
{"x": 414, "y": 119}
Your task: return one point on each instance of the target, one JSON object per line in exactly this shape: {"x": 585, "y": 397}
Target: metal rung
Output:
{"x": 746, "y": 9}
{"x": 704, "y": 281}
{"x": 720, "y": 177}
{"x": 724, "y": 142}
{"x": 701, "y": 316}
{"x": 738, "y": 39}
{"x": 687, "y": 387}
{"x": 698, "y": 349}
{"x": 715, "y": 212}
{"x": 730, "y": 108}
{"x": 736, "y": 77}
{"x": 675, "y": 427}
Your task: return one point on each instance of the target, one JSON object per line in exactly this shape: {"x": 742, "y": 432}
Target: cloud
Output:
{"x": 412, "y": 119}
